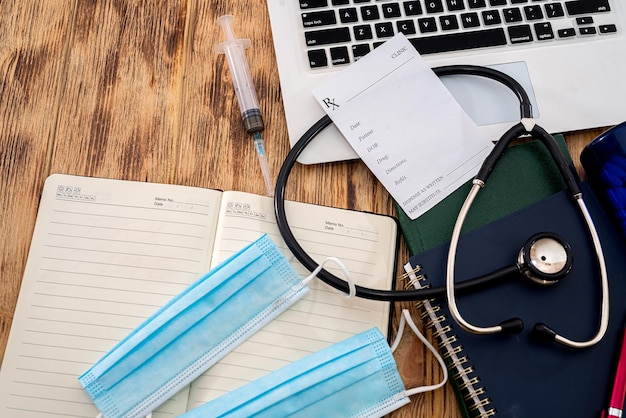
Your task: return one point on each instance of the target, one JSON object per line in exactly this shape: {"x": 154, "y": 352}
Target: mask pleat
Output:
{"x": 204, "y": 285}
{"x": 158, "y": 338}
{"x": 297, "y": 381}
{"x": 330, "y": 380}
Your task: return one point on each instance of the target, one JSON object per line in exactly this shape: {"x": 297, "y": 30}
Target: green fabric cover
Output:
{"x": 524, "y": 175}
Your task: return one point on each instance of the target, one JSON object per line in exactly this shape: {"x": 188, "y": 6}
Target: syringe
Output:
{"x": 233, "y": 49}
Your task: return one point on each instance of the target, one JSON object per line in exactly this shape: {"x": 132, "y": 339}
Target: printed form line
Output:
{"x": 380, "y": 79}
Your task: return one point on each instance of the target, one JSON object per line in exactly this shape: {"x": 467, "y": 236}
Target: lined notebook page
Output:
{"x": 365, "y": 243}
{"x": 105, "y": 255}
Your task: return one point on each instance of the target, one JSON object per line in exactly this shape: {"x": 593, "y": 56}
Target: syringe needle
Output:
{"x": 265, "y": 169}
{"x": 233, "y": 49}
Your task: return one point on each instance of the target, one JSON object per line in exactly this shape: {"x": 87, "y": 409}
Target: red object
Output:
{"x": 619, "y": 386}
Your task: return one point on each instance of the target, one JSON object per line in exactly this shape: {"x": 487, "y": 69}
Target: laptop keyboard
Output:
{"x": 338, "y": 32}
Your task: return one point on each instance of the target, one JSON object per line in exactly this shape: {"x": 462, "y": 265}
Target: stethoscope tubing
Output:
{"x": 526, "y": 126}
{"x": 325, "y": 121}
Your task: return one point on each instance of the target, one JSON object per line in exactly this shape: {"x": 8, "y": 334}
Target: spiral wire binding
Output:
{"x": 467, "y": 383}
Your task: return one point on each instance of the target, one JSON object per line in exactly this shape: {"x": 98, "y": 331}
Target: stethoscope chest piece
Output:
{"x": 545, "y": 258}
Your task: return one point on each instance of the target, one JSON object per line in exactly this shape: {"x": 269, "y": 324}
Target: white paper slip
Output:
{"x": 405, "y": 125}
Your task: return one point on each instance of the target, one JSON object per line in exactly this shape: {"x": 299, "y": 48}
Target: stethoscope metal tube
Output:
{"x": 514, "y": 325}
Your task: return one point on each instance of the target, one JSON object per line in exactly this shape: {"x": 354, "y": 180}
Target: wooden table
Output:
{"x": 134, "y": 90}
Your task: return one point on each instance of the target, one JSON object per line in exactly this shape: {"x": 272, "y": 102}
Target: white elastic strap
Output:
{"x": 346, "y": 272}
{"x": 404, "y": 319}
{"x": 147, "y": 416}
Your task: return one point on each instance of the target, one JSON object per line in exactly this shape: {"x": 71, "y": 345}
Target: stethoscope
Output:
{"x": 545, "y": 258}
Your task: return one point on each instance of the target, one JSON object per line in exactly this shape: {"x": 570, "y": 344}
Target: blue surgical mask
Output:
{"x": 193, "y": 331}
{"x": 357, "y": 377}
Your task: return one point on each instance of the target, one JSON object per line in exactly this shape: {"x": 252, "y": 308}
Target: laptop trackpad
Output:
{"x": 487, "y": 101}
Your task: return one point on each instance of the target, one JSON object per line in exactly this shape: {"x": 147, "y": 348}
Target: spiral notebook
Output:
{"x": 516, "y": 376}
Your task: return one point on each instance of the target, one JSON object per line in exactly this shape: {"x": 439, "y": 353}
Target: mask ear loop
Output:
{"x": 405, "y": 318}
{"x": 351, "y": 286}
{"x": 147, "y": 416}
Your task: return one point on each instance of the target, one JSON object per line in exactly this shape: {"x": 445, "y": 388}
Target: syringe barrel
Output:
{"x": 234, "y": 50}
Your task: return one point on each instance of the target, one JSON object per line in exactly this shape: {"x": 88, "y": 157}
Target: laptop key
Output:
{"x": 491, "y": 17}
{"x": 370, "y": 13}
{"x": 477, "y": 4}
{"x": 339, "y": 55}
{"x": 363, "y": 32}
{"x": 427, "y": 24}
{"x": 348, "y": 15}
{"x": 607, "y": 28}
{"x": 520, "y": 34}
{"x": 434, "y": 6}
{"x": 412, "y": 8}
{"x": 407, "y": 27}
{"x": 512, "y": 15}
{"x": 384, "y": 30}
{"x": 554, "y": 10}
{"x": 583, "y": 7}
{"x": 533, "y": 12}
{"x": 317, "y": 58}
{"x": 322, "y": 18}
{"x": 585, "y": 31}
{"x": 391, "y": 10}
{"x": 459, "y": 41}
{"x": 566, "y": 33}
{"x": 455, "y": 5}
{"x": 448, "y": 22}
{"x": 544, "y": 31}
{"x": 360, "y": 50}
{"x": 327, "y": 36}
{"x": 313, "y": 4}
{"x": 470, "y": 20}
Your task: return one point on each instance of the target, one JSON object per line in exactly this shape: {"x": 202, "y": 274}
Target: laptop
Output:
{"x": 570, "y": 55}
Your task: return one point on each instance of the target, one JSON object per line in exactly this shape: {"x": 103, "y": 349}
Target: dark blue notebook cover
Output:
{"x": 524, "y": 378}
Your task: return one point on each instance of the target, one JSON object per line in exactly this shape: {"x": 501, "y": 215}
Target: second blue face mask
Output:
{"x": 194, "y": 331}
{"x": 355, "y": 378}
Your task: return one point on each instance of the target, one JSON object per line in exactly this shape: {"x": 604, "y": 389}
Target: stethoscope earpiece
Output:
{"x": 544, "y": 333}
{"x": 512, "y": 326}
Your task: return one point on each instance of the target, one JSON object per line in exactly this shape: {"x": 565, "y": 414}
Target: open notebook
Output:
{"x": 106, "y": 254}
{"x": 568, "y": 54}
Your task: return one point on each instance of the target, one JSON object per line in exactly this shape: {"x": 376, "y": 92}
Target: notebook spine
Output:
{"x": 472, "y": 395}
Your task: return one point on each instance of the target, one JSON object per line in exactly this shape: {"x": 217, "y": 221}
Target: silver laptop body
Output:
{"x": 569, "y": 55}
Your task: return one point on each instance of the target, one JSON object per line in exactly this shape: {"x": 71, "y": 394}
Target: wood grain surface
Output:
{"x": 134, "y": 90}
